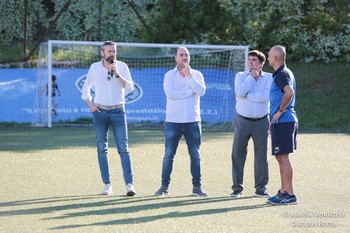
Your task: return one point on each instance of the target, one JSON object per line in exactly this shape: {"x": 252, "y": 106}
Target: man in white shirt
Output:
{"x": 183, "y": 87}
{"x": 252, "y": 88}
{"x": 111, "y": 78}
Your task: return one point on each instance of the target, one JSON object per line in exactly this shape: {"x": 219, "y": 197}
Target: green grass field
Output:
{"x": 50, "y": 183}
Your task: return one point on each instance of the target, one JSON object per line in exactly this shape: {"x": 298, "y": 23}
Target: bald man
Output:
{"x": 284, "y": 123}
{"x": 183, "y": 87}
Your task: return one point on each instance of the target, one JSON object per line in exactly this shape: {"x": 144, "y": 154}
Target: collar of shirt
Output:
{"x": 278, "y": 70}
{"x": 107, "y": 92}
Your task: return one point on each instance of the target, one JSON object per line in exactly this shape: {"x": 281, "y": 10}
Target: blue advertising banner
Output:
{"x": 17, "y": 94}
{"x": 18, "y": 89}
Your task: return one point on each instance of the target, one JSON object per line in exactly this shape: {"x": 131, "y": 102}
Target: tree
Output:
{"x": 310, "y": 30}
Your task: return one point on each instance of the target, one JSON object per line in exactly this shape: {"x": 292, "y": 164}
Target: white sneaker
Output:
{"x": 130, "y": 191}
{"x": 108, "y": 190}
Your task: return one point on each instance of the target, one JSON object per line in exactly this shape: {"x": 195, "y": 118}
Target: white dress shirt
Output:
{"x": 183, "y": 96}
{"x": 252, "y": 95}
{"x": 107, "y": 92}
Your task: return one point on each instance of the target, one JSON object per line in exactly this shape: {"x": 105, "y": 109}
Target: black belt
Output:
{"x": 252, "y": 118}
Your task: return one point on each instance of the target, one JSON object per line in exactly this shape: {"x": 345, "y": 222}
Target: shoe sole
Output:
{"x": 162, "y": 195}
{"x": 197, "y": 195}
{"x": 106, "y": 194}
{"x": 130, "y": 194}
{"x": 284, "y": 203}
{"x": 237, "y": 196}
{"x": 262, "y": 196}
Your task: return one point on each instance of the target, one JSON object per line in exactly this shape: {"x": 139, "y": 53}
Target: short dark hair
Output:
{"x": 258, "y": 54}
{"x": 106, "y": 43}
{"x": 53, "y": 77}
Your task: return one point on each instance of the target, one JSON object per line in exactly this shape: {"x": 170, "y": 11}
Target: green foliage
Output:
{"x": 310, "y": 30}
{"x": 76, "y": 22}
{"x": 12, "y": 20}
{"x": 322, "y": 101}
{"x": 85, "y": 54}
{"x": 11, "y": 53}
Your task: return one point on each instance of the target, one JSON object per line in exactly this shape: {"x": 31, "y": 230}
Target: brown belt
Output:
{"x": 104, "y": 107}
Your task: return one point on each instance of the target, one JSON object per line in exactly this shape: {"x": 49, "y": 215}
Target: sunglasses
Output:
{"x": 110, "y": 75}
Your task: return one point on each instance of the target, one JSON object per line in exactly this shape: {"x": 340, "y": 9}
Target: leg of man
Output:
{"x": 242, "y": 135}
{"x": 283, "y": 138}
{"x": 101, "y": 129}
{"x": 173, "y": 133}
{"x": 193, "y": 133}
{"x": 286, "y": 172}
{"x": 119, "y": 129}
{"x": 261, "y": 172}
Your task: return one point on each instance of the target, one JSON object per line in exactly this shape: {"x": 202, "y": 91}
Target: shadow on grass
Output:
{"x": 171, "y": 214}
{"x": 175, "y": 214}
{"x": 23, "y": 139}
{"x": 46, "y": 200}
{"x": 119, "y": 205}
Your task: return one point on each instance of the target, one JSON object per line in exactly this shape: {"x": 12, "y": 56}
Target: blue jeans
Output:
{"x": 116, "y": 120}
{"x": 192, "y": 133}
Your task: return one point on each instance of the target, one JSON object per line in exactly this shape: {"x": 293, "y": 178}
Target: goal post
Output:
{"x": 70, "y": 61}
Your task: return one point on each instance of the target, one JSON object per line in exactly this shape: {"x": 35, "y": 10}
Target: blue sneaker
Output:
{"x": 277, "y": 196}
{"x": 198, "y": 192}
{"x": 162, "y": 191}
{"x": 284, "y": 199}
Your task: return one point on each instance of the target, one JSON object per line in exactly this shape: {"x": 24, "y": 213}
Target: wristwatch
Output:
{"x": 280, "y": 110}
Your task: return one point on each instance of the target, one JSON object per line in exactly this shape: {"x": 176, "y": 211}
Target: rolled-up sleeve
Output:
{"x": 86, "y": 89}
{"x": 125, "y": 72}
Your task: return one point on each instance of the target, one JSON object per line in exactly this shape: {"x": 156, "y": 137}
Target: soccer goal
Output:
{"x": 69, "y": 61}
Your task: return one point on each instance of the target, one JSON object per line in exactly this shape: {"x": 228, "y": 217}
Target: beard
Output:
{"x": 110, "y": 60}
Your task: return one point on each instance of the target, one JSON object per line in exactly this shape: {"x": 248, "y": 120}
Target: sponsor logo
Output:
{"x": 277, "y": 149}
{"x": 129, "y": 97}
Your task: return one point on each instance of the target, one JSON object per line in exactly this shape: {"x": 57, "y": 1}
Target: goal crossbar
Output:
{"x": 218, "y": 63}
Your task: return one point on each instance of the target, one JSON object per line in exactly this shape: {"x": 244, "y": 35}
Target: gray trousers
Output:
{"x": 244, "y": 130}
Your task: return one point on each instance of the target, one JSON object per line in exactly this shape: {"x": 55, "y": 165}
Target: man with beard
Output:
{"x": 111, "y": 79}
{"x": 183, "y": 87}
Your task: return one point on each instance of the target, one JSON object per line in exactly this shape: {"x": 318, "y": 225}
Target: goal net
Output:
{"x": 69, "y": 61}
